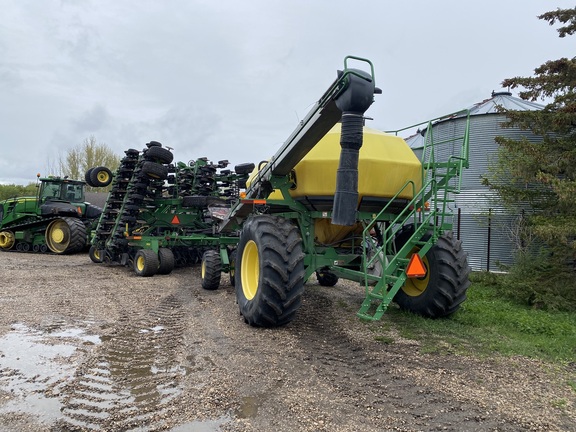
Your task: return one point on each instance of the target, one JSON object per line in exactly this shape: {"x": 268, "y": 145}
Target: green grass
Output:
{"x": 487, "y": 324}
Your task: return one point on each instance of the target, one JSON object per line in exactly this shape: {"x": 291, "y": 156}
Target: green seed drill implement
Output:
{"x": 338, "y": 200}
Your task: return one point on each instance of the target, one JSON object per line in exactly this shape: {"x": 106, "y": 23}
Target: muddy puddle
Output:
{"x": 67, "y": 376}
{"x": 34, "y": 363}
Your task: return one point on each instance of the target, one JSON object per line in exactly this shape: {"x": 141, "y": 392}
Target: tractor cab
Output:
{"x": 62, "y": 197}
{"x": 58, "y": 189}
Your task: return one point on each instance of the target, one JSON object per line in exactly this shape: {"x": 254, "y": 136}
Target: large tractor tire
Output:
{"x": 211, "y": 270}
{"x": 66, "y": 235}
{"x": 269, "y": 271}
{"x": 443, "y": 289}
{"x": 7, "y": 240}
{"x": 146, "y": 263}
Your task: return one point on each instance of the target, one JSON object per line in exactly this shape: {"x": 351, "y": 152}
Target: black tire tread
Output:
{"x": 445, "y": 295}
{"x": 279, "y": 295}
{"x": 326, "y": 278}
{"x": 159, "y": 154}
{"x": 212, "y": 269}
{"x": 92, "y": 254}
{"x": 94, "y": 176}
{"x": 166, "y": 261}
{"x": 87, "y": 177}
{"x": 78, "y": 235}
{"x": 150, "y": 263}
{"x": 245, "y": 168}
{"x": 155, "y": 170}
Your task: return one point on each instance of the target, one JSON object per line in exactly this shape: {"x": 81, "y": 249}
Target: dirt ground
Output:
{"x": 93, "y": 347}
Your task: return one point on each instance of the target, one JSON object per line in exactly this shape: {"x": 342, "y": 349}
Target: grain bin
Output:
{"x": 481, "y": 222}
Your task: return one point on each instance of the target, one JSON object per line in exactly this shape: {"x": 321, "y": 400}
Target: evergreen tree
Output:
{"x": 542, "y": 176}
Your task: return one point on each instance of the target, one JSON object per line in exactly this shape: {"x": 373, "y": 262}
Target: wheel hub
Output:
{"x": 58, "y": 235}
{"x": 140, "y": 261}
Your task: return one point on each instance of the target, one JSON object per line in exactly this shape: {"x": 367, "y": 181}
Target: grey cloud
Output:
{"x": 91, "y": 121}
{"x": 228, "y": 79}
{"x": 9, "y": 77}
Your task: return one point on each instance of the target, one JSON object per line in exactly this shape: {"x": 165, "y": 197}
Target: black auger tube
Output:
{"x": 346, "y": 195}
{"x": 353, "y": 102}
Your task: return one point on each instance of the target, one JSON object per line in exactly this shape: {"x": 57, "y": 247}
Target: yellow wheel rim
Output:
{"x": 58, "y": 236}
{"x": 140, "y": 263}
{"x": 203, "y": 270}
{"x": 416, "y": 286}
{"x": 250, "y": 270}
{"x": 102, "y": 176}
{"x": 96, "y": 254}
{"x": 7, "y": 240}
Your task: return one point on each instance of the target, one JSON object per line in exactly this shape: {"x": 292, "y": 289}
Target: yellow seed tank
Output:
{"x": 386, "y": 164}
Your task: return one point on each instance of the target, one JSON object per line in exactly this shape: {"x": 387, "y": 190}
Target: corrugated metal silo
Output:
{"x": 481, "y": 223}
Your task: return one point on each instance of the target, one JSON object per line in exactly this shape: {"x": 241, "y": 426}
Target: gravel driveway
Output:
{"x": 93, "y": 347}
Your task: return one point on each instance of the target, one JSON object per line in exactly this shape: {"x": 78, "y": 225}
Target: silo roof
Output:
{"x": 504, "y": 100}
{"x": 491, "y": 105}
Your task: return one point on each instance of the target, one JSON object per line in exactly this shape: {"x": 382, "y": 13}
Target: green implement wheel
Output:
{"x": 66, "y": 235}
{"x": 211, "y": 270}
{"x": 326, "y": 277}
{"x": 158, "y": 154}
{"x": 166, "y": 259}
{"x": 441, "y": 291}
{"x": 87, "y": 177}
{"x": 146, "y": 263}
{"x": 269, "y": 271}
{"x": 99, "y": 176}
{"x": 154, "y": 170}
{"x": 96, "y": 255}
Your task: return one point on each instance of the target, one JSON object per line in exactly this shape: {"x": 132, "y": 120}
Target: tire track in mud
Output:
{"x": 131, "y": 381}
{"x": 366, "y": 375}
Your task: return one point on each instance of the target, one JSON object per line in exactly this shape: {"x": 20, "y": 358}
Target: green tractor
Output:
{"x": 56, "y": 220}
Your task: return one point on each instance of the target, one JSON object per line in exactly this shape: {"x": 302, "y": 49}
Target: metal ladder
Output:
{"x": 440, "y": 179}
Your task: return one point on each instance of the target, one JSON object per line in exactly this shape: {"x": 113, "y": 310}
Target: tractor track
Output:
{"x": 131, "y": 380}
{"x": 349, "y": 365}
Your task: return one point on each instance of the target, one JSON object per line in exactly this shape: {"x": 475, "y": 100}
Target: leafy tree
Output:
{"x": 542, "y": 176}
{"x": 88, "y": 155}
{"x": 14, "y": 190}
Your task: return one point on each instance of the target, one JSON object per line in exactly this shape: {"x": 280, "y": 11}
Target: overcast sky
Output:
{"x": 229, "y": 79}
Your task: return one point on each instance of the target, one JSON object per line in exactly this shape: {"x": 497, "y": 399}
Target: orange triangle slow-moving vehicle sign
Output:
{"x": 415, "y": 267}
{"x": 175, "y": 220}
